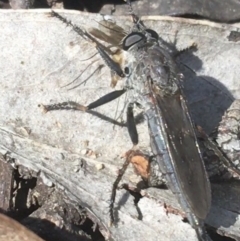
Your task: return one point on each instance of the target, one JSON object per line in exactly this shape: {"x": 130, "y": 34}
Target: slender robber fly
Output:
{"x": 153, "y": 83}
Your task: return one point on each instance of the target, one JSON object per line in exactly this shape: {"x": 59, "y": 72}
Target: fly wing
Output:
{"x": 184, "y": 152}
{"x": 109, "y": 32}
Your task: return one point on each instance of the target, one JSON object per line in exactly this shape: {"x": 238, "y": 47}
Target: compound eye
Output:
{"x": 132, "y": 39}
{"x": 152, "y": 33}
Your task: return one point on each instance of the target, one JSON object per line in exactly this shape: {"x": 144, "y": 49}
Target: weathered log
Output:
{"x": 40, "y": 55}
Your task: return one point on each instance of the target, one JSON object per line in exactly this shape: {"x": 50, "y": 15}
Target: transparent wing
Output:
{"x": 185, "y": 153}
{"x": 109, "y": 32}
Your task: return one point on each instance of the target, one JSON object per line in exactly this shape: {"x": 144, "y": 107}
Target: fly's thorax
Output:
{"x": 161, "y": 70}
{"x": 149, "y": 66}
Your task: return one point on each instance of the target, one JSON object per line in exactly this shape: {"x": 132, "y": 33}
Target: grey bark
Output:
{"x": 39, "y": 55}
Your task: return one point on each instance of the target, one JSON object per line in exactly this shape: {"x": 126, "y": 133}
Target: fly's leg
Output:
{"x": 70, "y": 105}
{"x": 223, "y": 162}
{"x": 228, "y": 134}
{"x": 84, "y": 34}
{"x": 115, "y": 186}
{"x": 102, "y": 50}
{"x": 131, "y": 125}
{"x": 145, "y": 166}
{"x": 101, "y": 101}
{"x": 106, "y": 98}
{"x": 114, "y": 66}
{"x": 141, "y": 164}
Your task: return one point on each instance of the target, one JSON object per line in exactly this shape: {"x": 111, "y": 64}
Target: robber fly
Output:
{"x": 153, "y": 83}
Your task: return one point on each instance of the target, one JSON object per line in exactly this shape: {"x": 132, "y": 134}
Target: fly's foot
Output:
{"x": 70, "y": 105}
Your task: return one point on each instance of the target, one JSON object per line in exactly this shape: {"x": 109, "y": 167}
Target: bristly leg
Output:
{"x": 102, "y": 50}
{"x": 78, "y": 30}
{"x": 114, "y": 66}
{"x": 144, "y": 166}
{"x": 129, "y": 155}
{"x": 71, "y": 105}
{"x": 132, "y": 130}
{"x": 211, "y": 145}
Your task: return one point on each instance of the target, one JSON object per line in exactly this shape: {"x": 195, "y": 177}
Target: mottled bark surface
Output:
{"x": 80, "y": 153}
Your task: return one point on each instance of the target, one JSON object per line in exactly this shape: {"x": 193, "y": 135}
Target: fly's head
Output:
{"x": 141, "y": 39}
{"x": 135, "y": 45}
{"x": 148, "y": 38}
{"x": 140, "y": 35}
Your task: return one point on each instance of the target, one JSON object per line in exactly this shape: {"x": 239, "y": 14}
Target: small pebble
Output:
{"x": 99, "y": 166}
